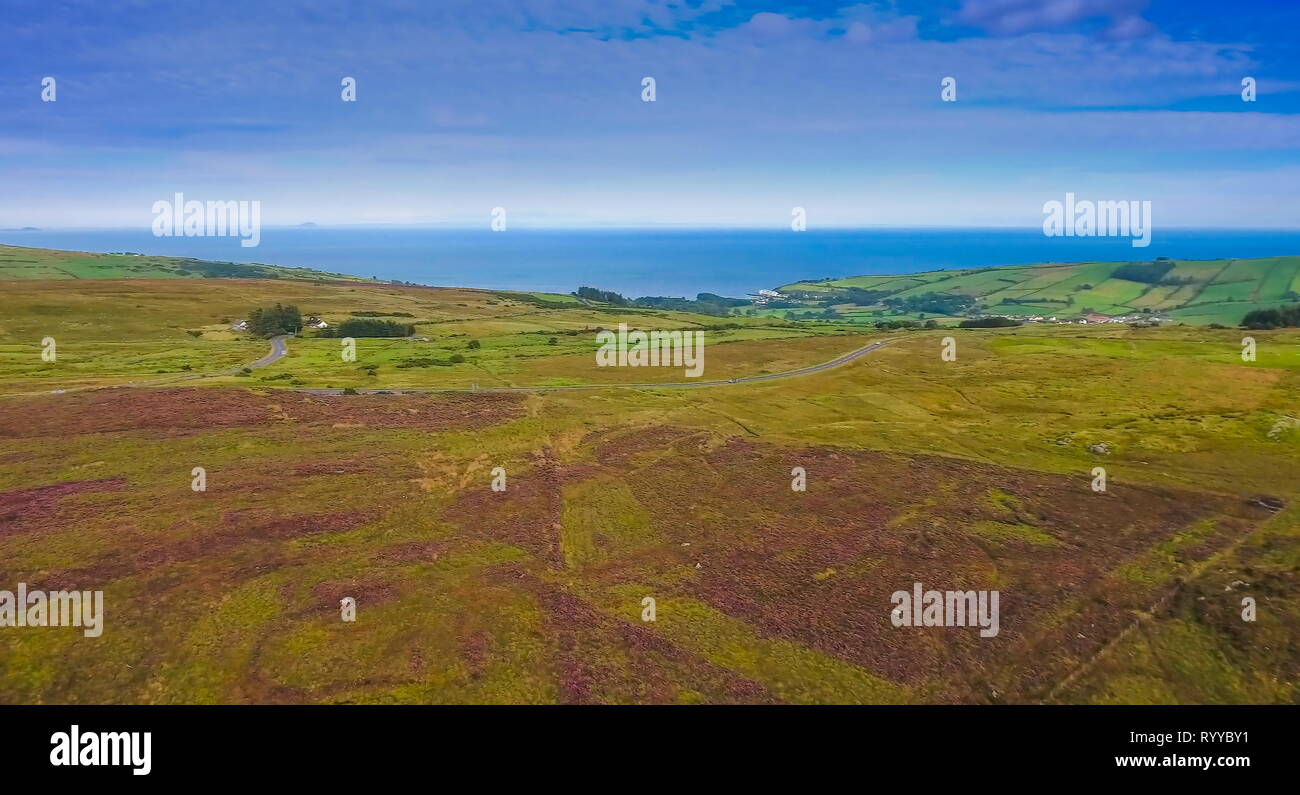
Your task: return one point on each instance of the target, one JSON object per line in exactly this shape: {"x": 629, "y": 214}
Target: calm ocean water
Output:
{"x": 644, "y": 262}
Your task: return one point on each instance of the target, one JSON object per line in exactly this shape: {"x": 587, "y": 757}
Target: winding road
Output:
{"x": 749, "y": 379}
{"x": 279, "y": 349}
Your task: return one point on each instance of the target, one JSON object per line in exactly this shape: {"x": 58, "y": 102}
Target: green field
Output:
{"x": 17, "y": 262}
{"x": 1194, "y": 292}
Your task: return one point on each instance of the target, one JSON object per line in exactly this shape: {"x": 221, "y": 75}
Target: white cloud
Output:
{"x": 1015, "y": 17}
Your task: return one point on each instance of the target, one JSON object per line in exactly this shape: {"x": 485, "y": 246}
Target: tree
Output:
{"x": 370, "y": 327}
{"x": 989, "y": 322}
{"x": 1282, "y": 317}
{"x": 275, "y": 320}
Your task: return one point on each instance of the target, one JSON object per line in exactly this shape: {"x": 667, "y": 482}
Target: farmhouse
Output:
{"x": 316, "y": 322}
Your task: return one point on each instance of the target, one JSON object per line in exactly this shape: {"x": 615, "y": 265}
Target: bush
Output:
{"x": 604, "y": 296}
{"x": 1145, "y": 272}
{"x": 1282, "y": 317}
{"x": 474, "y": 344}
{"x": 370, "y": 327}
{"x": 933, "y": 303}
{"x": 989, "y": 322}
{"x": 275, "y": 320}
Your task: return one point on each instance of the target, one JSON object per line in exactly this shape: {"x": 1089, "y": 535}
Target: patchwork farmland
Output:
{"x": 1197, "y": 292}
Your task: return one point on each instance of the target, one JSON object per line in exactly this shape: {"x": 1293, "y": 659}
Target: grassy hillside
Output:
{"x": 972, "y": 473}
{"x": 1190, "y": 291}
{"x": 17, "y": 262}
{"x": 965, "y": 474}
{"x": 116, "y": 330}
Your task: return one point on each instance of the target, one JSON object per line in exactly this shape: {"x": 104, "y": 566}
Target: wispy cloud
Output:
{"x": 467, "y": 105}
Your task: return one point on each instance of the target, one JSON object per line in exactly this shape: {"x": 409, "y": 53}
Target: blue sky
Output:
{"x": 535, "y": 105}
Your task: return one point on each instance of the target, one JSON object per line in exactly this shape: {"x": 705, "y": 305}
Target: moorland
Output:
{"x": 972, "y": 473}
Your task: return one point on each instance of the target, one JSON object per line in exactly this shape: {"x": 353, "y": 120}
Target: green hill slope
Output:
{"x": 17, "y": 262}
{"x": 1189, "y": 291}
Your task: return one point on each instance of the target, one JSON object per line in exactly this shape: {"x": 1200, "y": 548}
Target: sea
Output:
{"x": 672, "y": 262}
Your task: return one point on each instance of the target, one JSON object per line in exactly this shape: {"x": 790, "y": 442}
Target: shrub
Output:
{"x": 989, "y": 322}
{"x": 1145, "y": 272}
{"x": 275, "y": 320}
{"x": 1282, "y": 317}
{"x": 370, "y": 327}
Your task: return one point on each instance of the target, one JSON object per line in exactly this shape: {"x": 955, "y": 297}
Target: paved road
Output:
{"x": 816, "y": 368}
{"x": 279, "y": 350}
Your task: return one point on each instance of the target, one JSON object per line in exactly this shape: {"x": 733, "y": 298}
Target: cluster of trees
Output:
{"x": 934, "y": 303}
{"x": 1145, "y": 272}
{"x": 906, "y": 324}
{"x": 1282, "y": 317}
{"x": 369, "y": 327}
{"x": 989, "y": 322}
{"x": 604, "y": 296}
{"x": 857, "y": 296}
{"x": 828, "y": 313}
{"x": 275, "y": 320}
{"x": 228, "y": 270}
{"x": 704, "y": 303}
{"x": 861, "y": 297}
{"x": 1042, "y": 300}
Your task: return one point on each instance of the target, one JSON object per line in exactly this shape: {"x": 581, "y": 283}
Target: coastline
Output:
{"x": 654, "y": 261}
